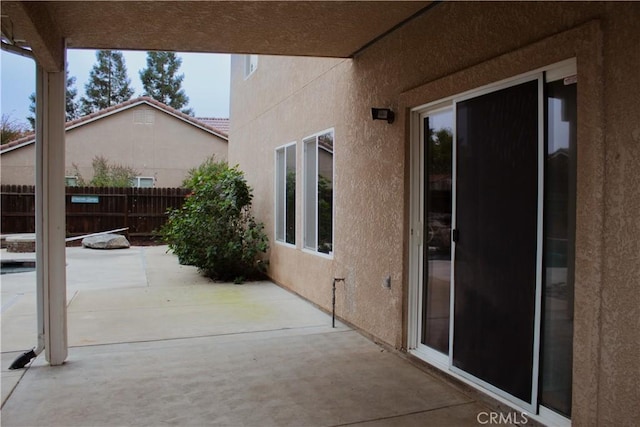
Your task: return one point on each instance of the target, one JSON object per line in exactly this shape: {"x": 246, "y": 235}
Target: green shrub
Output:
{"x": 214, "y": 230}
{"x": 207, "y": 171}
{"x": 105, "y": 174}
{"x": 108, "y": 175}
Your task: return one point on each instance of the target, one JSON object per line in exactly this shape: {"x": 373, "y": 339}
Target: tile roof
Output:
{"x": 220, "y": 123}
{"x": 30, "y": 137}
{"x": 20, "y": 141}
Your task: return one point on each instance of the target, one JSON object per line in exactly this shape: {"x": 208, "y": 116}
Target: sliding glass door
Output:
{"x": 559, "y": 246}
{"x": 493, "y": 232}
{"x": 496, "y": 263}
{"x": 436, "y": 282}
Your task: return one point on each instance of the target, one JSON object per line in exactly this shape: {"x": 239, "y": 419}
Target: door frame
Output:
{"x": 539, "y": 78}
{"x": 416, "y": 239}
{"x": 417, "y": 269}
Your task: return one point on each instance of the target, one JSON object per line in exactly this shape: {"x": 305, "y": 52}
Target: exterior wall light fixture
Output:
{"x": 383, "y": 114}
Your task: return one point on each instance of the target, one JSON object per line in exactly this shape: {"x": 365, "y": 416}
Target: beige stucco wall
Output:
{"x": 258, "y": 133}
{"x": 364, "y": 196}
{"x": 165, "y": 149}
{"x": 18, "y": 166}
{"x": 453, "y": 48}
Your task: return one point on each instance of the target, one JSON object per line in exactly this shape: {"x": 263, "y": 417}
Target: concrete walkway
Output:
{"x": 153, "y": 343}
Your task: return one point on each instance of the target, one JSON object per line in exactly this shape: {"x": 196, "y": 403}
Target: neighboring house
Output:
{"x": 536, "y": 302}
{"x": 157, "y": 141}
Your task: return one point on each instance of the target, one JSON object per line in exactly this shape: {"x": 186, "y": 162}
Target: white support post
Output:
{"x": 50, "y": 213}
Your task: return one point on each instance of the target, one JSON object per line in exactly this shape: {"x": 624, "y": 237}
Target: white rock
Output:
{"x": 106, "y": 241}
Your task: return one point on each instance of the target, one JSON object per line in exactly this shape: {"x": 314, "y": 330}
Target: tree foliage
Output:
{"x": 207, "y": 171}
{"x": 71, "y": 105}
{"x": 214, "y": 229}
{"x": 11, "y": 129}
{"x": 72, "y": 108}
{"x": 440, "y": 150}
{"x": 161, "y": 82}
{"x": 325, "y": 215}
{"x": 108, "y": 83}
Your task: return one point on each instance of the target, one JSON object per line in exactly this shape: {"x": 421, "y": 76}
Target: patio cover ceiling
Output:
{"x": 305, "y": 28}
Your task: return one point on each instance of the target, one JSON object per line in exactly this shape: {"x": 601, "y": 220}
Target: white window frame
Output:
{"x": 250, "y": 65}
{"x": 417, "y": 211}
{"x": 70, "y": 178}
{"x": 306, "y": 142}
{"x": 136, "y": 181}
{"x": 281, "y": 180}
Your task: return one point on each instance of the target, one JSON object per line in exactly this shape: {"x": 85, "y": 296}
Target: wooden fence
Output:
{"x": 95, "y": 209}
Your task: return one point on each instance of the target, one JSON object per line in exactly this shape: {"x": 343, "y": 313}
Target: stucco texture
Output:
{"x": 18, "y": 166}
{"x": 453, "y": 48}
{"x": 619, "y": 370}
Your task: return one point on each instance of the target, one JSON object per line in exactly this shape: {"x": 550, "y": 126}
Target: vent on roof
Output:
{"x": 143, "y": 117}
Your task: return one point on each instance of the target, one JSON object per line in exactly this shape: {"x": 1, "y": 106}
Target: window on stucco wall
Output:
{"x": 318, "y": 192}
{"x": 143, "y": 182}
{"x": 71, "y": 181}
{"x": 250, "y": 65}
{"x": 285, "y": 208}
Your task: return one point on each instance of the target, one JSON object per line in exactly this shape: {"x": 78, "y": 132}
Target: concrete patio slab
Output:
{"x": 465, "y": 414}
{"x": 154, "y": 343}
{"x": 254, "y": 379}
{"x": 131, "y": 315}
{"x": 9, "y": 378}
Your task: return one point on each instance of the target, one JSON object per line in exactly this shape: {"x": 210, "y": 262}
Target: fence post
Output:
{"x": 126, "y": 212}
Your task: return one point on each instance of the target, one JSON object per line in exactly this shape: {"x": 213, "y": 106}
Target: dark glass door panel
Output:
{"x": 496, "y": 251}
{"x": 559, "y": 244}
{"x": 438, "y": 142}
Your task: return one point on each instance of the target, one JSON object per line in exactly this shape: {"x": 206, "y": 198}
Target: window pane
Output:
{"x": 250, "y": 64}
{"x": 145, "y": 182}
{"x": 280, "y": 193}
{"x": 310, "y": 194}
{"x": 559, "y": 243}
{"x": 325, "y": 193}
{"x": 437, "y": 248}
{"x": 496, "y": 250}
{"x": 290, "y": 188}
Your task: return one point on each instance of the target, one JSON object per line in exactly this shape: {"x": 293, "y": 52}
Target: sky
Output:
{"x": 206, "y": 80}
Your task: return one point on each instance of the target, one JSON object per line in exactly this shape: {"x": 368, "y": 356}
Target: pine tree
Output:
{"x": 160, "y": 81}
{"x": 108, "y": 83}
{"x": 71, "y": 106}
